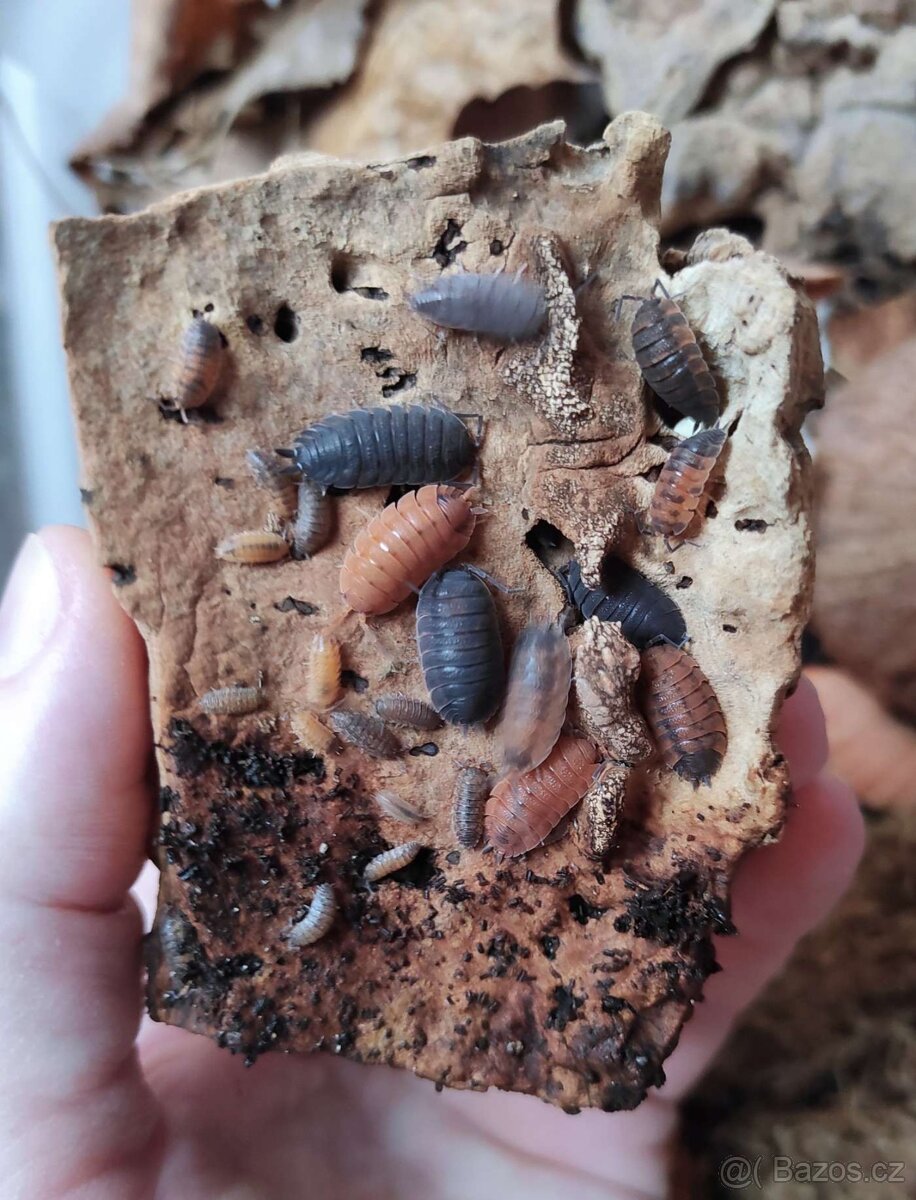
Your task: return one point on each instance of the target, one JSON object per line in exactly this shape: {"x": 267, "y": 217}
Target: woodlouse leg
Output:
{"x": 619, "y": 305}
{"x": 658, "y": 286}
{"x": 486, "y": 577}
{"x": 478, "y": 417}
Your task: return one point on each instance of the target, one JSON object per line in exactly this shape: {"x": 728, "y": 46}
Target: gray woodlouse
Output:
{"x": 318, "y": 920}
{"x": 682, "y": 482}
{"x": 506, "y": 307}
{"x": 398, "y": 709}
{"x": 461, "y": 653}
{"x": 382, "y": 446}
{"x": 394, "y": 806}
{"x": 472, "y": 787}
{"x": 232, "y": 701}
{"x": 366, "y": 733}
{"x": 253, "y": 547}
{"x": 314, "y": 516}
{"x": 391, "y": 860}
{"x": 536, "y": 696}
{"x": 200, "y": 365}
{"x": 271, "y": 475}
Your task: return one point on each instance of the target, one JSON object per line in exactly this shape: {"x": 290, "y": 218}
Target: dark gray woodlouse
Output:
{"x": 314, "y": 516}
{"x": 366, "y": 733}
{"x": 382, "y": 446}
{"x": 644, "y": 611}
{"x": 472, "y": 787}
{"x": 461, "y": 654}
{"x": 501, "y": 306}
{"x": 398, "y": 709}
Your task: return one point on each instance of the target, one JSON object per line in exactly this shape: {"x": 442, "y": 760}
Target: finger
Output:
{"x": 801, "y": 733}
{"x": 73, "y": 820}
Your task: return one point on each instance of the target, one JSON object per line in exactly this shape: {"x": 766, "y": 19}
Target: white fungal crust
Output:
{"x": 232, "y": 701}
{"x": 394, "y": 806}
{"x": 391, "y": 860}
{"x": 318, "y": 920}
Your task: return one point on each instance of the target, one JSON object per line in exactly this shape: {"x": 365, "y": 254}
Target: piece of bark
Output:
{"x": 471, "y": 972}
{"x": 865, "y": 596}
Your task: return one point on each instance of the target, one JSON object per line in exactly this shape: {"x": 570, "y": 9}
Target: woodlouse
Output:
{"x": 642, "y": 608}
{"x": 313, "y": 519}
{"x": 461, "y": 654}
{"x": 683, "y": 713}
{"x": 472, "y": 787}
{"x": 682, "y": 481}
{"x": 269, "y": 474}
{"x": 399, "y": 809}
{"x": 524, "y": 810}
{"x": 398, "y": 709}
{"x": 318, "y": 920}
{"x": 323, "y": 678}
{"x": 311, "y": 734}
{"x": 200, "y": 364}
{"x": 536, "y": 696}
{"x": 391, "y": 860}
{"x": 253, "y": 547}
{"x": 378, "y": 447}
{"x": 366, "y": 733}
{"x": 506, "y": 307}
{"x": 401, "y": 547}
{"x": 232, "y": 700}
{"x": 668, "y": 355}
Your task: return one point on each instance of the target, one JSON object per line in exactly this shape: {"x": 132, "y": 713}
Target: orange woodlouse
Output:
{"x": 269, "y": 474}
{"x": 668, "y": 355}
{"x": 683, "y": 713}
{"x": 318, "y": 920}
{"x": 366, "y": 733}
{"x": 323, "y": 681}
{"x": 199, "y": 365}
{"x": 311, "y": 734}
{"x": 398, "y": 709}
{"x": 232, "y": 701}
{"x": 401, "y": 547}
{"x": 536, "y": 697}
{"x": 524, "y": 810}
{"x": 253, "y": 547}
{"x": 681, "y": 483}
{"x": 391, "y": 860}
{"x": 472, "y": 787}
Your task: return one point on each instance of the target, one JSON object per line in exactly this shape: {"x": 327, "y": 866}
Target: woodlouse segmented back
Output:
{"x": 253, "y": 547}
{"x": 200, "y": 364}
{"x": 398, "y": 709}
{"x": 269, "y": 474}
{"x": 682, "y": 482}
{"x": 314, "y": 517}
{"x": 232, "y": 701}
{"x": 536, "y": 696}
{"x": 644, "y": 611}
{"x": 311, "y": 734}
{"x": 506, "y": 307}
{"x": 403, "y": 546}
{"x": 366, "y": 733}
{"x": 472, "y": 787}
{"x": 391, "y": 860}
{"x": 318, "y": 920}
{"x": 399, "y": 809}
{"x": 683, "y": 713}
{"x": 323, "y": 679}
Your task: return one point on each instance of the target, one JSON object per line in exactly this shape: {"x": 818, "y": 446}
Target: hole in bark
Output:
{"x": 286, "y": 324}
{"x": 549, "y": 545}
{"x": 729, "y": 628}
{"x": 752, "y": 524}
{"x": 684, "y": 582}
{"x": 421, "y": 162}
{"x": 711, "y": 511}
{"x": 426, "y": 749}
{"x": 375, "y": 354}
{"x": 256, "y": 325}
{"x": 400, "y": 381}
{"x": 449, "y": 245}
{"x": 496, "y": 247}
{"x": 122, "y": 573}
{"x": 350, "y": 679}
{"x": 514, "y": 112}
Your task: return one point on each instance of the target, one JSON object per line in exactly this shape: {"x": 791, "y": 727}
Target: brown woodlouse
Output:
{"x": 318, "y": 920}
{"x": 683, "y": 713}
{"x": 394, "y": 806}
{"x": 472, "y": 787}
{"x": 199, "y": 365}
{"x": 536, "y": 697}
{"x": 311, "y": 734}
{"x": 323, "y": 680}
{"x": 253, "y": 547}
{"x": 314, "y": 517}
{"x": 523, "y": 811}
{"x": 668, "y": 355}
{"x": 506, "y": 307}
{"x": 391, "y": 860}
{"x": 401, "y": 547}
{"x": 366, "y": 733}
{"x": 232, "y": 701}
{"x": 682, "y": 481}
{"x": 398, "y": 709}
{"x": 269, "y": 474}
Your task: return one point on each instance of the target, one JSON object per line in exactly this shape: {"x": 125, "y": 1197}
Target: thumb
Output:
{"x": 74, "y": 815}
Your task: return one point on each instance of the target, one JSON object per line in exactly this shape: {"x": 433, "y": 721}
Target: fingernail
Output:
{"x": 30, "y": 607}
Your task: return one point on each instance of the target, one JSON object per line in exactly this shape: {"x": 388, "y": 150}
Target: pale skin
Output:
{"x": 97, "y": 1104}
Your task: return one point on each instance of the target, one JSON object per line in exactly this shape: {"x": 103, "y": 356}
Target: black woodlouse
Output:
{"x": 644, "y": 611}
{"x": 461, "y": 654}
{"x": 382, "y": 446}
{"x": 501, "y": 306}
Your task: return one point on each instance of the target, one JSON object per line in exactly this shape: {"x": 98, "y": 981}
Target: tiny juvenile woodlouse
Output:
{"x": 318, "y": 920}
{"x": 378, "y": 447}
{"x": 323, "y": 680}
{"x": 232, "y": 700}
{"x": 536, "y": 696}
{"x": 253, "y": 547}
{"x": 401, "y": 547}
{"x": 642, "y": 608}
{"x": 313, "y": 518}
{"x": 200, "y": 364}
{"x": 394, "y": 806}
{"x": 271, "y": 475}
{"x": 366, "y": 733}
{"x": 682, "y": 481}
{"x": 472, "y": 787}
{"x": 461, "y": 654}
{"x": 506, "y": 307}
{"x": 668, "y": 355}
{"x": 523, "y": 811}
{"x": 398, "y": 709}
{"x": 391, "y": 860}
{"x": 683, "y": 713}
{"x": 311, "y": 734}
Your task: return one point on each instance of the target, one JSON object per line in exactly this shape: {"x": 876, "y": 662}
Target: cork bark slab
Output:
{"x": 553, "y": 975}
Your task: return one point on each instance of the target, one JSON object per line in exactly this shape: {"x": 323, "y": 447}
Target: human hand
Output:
{"x": 94, "y": 1105}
